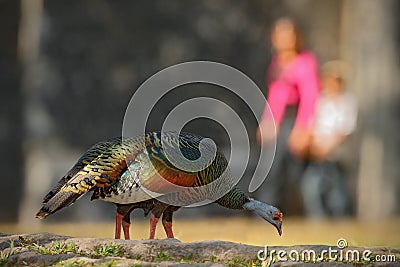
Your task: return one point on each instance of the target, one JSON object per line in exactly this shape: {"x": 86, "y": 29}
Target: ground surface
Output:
{"x": 26, "y": 247}
{"x": 45, "y": 249}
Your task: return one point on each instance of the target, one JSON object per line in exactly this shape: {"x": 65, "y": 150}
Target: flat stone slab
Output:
{"x": 46, "y": 249}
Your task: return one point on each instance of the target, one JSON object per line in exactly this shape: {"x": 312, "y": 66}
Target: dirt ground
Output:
{"x": 247, "y": 230}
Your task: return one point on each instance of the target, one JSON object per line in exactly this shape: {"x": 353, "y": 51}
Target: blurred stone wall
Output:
{"x": 11, "y": 130}
{"x": 94, "y": 54}
{"x": 89, "y": 57}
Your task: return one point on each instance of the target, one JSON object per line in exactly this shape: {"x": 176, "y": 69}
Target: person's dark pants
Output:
{"x": 324, "y": 190}
{"x": 285, "y": 172}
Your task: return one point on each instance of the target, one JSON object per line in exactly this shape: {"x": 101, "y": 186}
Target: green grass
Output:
{"x": 80, "y": 262}
{"x": 72, "y": 263}
{"x": 64, "y": 248}
{"x": 106, "y": 250}
{"x": 213, "y": 258}
{"x": 188, "y": 258}
{"x": 236, "y": 262}
{"x": 39, "y": 249}
{"x": 55, "y": 248}
{"x": 161, "y": 256}
{"x": 242, "y": 262}
{"x": 4, "y": 256}
{"x": 255, "y": 263}
{"x": 107, "y": 264}
{"x": 109, "y": 250}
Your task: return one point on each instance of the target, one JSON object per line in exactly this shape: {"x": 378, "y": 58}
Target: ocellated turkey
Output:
{"x": 117, "y": 170}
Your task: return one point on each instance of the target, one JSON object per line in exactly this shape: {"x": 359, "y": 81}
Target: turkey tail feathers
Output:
{"x": 57, "y": 188}
{"x": 85, "y": 159}
{"x": 60, "y": 200}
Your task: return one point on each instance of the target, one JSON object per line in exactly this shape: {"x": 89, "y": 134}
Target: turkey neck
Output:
{"x": 234, "y": 199}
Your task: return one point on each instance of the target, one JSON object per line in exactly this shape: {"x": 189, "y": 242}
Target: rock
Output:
{"x": 46, "y": 249}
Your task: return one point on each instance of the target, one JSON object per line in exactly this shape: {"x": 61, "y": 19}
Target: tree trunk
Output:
{"x": 369, "y": 33}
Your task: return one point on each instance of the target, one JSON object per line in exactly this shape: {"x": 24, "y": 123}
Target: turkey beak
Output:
{"x": 278, "y": 226}
{"x": 278, "y": 222}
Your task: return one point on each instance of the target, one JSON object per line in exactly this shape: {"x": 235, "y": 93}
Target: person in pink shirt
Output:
{"x": 292, "y": 79}
{"x": 293, "y": 90}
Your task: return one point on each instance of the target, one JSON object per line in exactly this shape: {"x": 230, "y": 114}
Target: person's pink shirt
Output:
{"x": 297, "y": 84}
